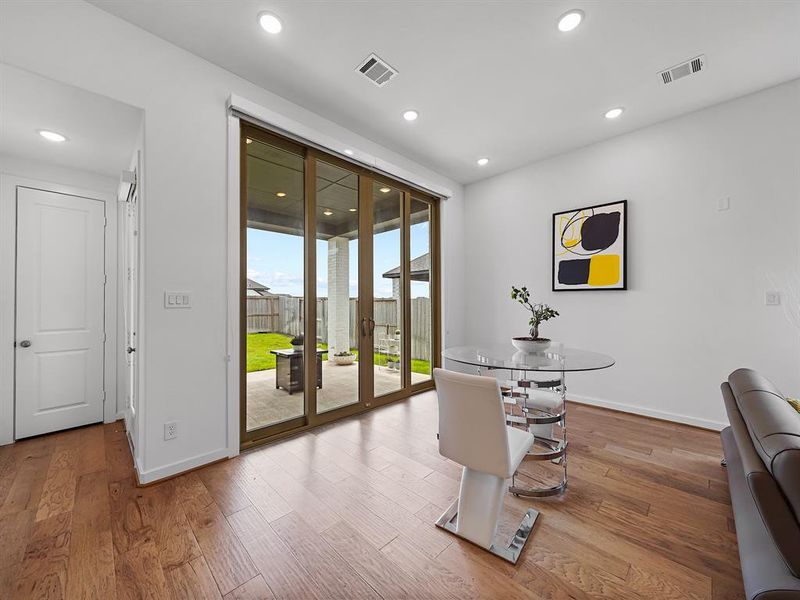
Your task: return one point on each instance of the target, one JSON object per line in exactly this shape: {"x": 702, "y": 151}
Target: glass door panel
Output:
{"x": 275, "y": 278}
{"x": 421, "y": 325}
{"x": 388, "y": 294}
{"x": 337, "y": 285}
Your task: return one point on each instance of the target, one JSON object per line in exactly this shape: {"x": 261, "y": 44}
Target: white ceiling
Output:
{"x": 101, "y": 132}
{"x": 489, "y": 78}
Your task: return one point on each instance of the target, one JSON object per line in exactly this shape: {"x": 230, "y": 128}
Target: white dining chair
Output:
{"x": 474, "y": 434}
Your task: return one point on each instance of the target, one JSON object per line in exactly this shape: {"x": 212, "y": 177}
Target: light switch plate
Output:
{"x": 772, "y": 298}
{"x": 723, "y": 204}
{"x": 177, "y": 300}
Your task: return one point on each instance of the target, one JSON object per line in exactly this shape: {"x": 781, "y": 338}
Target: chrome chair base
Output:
{"x": 538, "y": 492}
{"x": 510, "y": 553}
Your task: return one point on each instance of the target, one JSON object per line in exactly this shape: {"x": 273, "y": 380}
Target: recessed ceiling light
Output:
{"x": 385, "y": 190}
{"x": 327, "y": 212}
{"x": 348, "y": 152}
{"x": 249, "y": 141}
{"x": 570, "y": 20}
{"x": 614, "y": 112}
{"x": 410, "y": 115}
{"x": 281, "y": 194}
{"x": 270, "y": 23}
{"x": 353, "y": 209}
{"x": 483, "y": 161}
{"x": 52, "y": 136}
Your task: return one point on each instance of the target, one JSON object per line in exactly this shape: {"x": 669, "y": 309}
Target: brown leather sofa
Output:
{"x": 762, "y": 451}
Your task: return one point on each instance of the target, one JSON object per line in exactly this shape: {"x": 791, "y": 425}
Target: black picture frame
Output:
{"x": 624, "y": 229}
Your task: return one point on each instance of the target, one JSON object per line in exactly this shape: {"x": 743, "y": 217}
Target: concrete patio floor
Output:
{"x": 267, "y": 405}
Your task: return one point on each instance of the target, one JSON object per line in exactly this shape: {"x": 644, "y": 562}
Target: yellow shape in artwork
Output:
{"x": 570, "y": 228}
{"x": 604, "y": 270}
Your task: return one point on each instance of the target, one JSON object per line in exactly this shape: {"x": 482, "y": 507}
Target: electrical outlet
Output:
{"x": 170, "y": 430}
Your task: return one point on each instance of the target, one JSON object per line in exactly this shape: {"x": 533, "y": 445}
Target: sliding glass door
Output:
{"x": 273, "y": 285}
{"x": 421, "y": 289}
{"x": 337, "y": 230}
{"x": 337, "y": 264}
{"x": 388, "y": 290}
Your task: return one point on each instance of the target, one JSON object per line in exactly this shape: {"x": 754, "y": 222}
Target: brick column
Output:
{"x": 398, "y": 308}
{"x": 338, "y": 295}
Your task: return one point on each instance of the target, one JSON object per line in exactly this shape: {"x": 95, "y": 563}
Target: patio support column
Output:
{"x": 396, "y": 296}
{"x": 338, "y": 295}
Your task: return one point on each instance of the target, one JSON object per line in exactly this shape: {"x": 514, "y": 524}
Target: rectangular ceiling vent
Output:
{"x": 690, "y": 67}
{"x": 376, "y": 70}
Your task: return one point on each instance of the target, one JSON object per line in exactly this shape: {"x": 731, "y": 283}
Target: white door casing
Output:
{"x": 60, "y": 297}
{"x": 130, "y": 304}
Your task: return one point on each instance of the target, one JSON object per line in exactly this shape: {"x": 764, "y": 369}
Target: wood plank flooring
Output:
{"x": 347, "y": 511}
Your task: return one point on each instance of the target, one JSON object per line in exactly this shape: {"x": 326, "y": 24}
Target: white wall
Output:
{"x": 31, "y": 169}
{"x": 184, "y": 205}
{"x": 695, "y": 308}
{"x": 16, "y": 171}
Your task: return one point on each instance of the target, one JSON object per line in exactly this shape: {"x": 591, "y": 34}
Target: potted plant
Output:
{"x": 297, "y": 343}
{"x": 539, "y": 314}
{"x": 344, "y": 358}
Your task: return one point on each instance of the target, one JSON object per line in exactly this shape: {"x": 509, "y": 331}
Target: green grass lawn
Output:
{"x": 259, "y": 357}
{"x": 417, "y": 365}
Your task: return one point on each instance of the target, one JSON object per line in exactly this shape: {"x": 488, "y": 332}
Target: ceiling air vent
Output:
{"x": 690, "y": 67}
{"x": 376, "y": 70}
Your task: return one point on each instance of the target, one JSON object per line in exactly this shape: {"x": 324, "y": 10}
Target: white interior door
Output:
{"x": 60, "y": 311}
{"x": 130, "y": 303}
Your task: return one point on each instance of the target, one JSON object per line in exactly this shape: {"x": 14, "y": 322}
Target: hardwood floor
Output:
{"x": 347, "y": 511}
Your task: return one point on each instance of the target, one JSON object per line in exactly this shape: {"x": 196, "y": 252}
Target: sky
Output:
{"x": 276, "y": 260}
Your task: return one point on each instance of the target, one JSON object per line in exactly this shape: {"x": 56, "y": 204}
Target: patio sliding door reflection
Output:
{"x": 275, "y": 279}
{"x": 337, "y": 285}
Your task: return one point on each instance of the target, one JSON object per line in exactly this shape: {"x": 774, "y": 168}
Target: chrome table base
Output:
{"x": 510, "y": 552}
{"x": 517, "y": 392}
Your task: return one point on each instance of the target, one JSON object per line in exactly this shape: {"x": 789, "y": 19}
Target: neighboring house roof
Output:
{"x": 257, "y": 288}
{"x": 420, "y": 269}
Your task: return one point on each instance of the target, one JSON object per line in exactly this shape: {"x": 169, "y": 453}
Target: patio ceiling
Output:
{"x": 272, "y": 171}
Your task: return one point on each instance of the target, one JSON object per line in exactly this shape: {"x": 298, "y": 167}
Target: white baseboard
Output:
{"x": 180, "y": 466}
{"x": 649, "y": 412}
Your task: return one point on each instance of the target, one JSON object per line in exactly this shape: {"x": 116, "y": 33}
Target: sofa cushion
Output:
{"x": 774, "y": 428}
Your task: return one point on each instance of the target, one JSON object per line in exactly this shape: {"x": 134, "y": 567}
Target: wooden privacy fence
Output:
{"x": 283, "y": 314}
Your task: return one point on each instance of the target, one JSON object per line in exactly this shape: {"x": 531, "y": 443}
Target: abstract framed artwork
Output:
{"x": 590, "y": 247}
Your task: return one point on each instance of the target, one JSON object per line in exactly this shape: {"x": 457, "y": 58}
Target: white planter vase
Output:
{"x": 530, "y": 346}
{"x": 348, "y": 359}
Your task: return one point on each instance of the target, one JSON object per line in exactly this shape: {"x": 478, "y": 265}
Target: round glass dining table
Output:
{"x": 534, "y": 390}
{"x": 555, "y": 358}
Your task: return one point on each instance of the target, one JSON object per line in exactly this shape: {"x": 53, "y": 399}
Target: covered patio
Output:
{"x": 267, "y": 405}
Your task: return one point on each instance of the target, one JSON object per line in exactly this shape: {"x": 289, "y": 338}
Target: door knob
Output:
{"x": 25, "y": 343}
